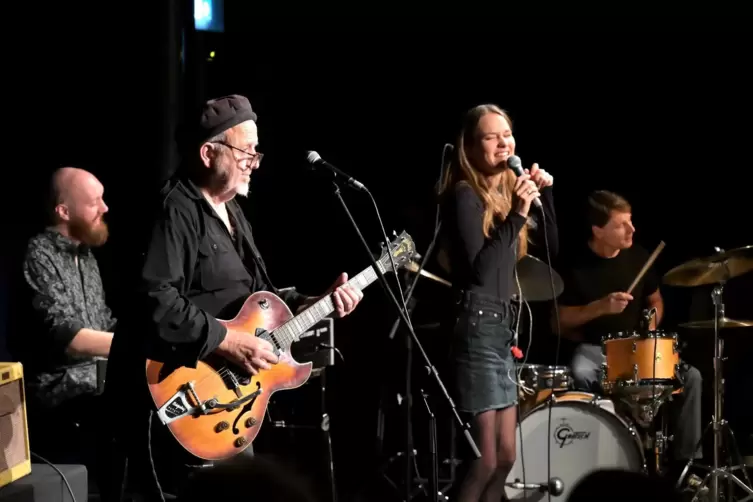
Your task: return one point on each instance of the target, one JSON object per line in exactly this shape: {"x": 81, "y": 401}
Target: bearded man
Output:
{"x": 70, "y": 330}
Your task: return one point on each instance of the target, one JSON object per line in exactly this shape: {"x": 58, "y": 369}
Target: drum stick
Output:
{"x": 649, "y": 262}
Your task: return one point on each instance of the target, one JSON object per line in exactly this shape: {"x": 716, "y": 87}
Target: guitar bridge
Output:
{"x": 185, "y": 402}
{"x": 181, "y": 404}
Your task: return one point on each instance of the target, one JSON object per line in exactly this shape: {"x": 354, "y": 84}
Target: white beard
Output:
{"x": 242, "y": 189}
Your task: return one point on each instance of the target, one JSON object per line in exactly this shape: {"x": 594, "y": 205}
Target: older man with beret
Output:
{"x": 200, "y": 263}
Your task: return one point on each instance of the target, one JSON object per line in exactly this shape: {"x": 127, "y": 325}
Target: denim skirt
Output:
{"x": 481, "y": 358}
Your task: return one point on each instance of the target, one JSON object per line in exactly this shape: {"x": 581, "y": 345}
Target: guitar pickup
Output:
{"x": 180, "y": 405}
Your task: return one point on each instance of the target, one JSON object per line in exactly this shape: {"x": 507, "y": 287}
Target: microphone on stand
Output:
{"x": 316, "y": 161}
{"x": 555, "y": 486}
{"x": 514, "y": 163}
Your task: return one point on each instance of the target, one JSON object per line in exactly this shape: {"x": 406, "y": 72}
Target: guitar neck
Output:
{"x": 292, "y": 330}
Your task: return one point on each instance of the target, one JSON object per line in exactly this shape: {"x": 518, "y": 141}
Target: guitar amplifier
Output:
{"x": 15, "y": 457}
{"x": 316, "y": 345}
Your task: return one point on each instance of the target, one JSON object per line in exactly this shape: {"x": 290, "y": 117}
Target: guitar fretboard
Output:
{"x": 291, "y": 331}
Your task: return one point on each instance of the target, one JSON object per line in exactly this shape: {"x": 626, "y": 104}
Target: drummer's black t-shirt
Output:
{"x": 589, "y": 277}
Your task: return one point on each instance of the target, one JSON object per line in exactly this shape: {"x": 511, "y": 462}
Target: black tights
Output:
{"x": 494, "y": 433}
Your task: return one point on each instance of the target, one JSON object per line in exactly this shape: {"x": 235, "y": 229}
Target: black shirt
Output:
{"x": 487, "y": 265}
{"x": 590, "y": 277}
{"x": 194, "y": 272}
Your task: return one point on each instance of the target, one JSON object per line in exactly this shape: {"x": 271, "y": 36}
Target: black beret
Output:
{"x": 216, "y": 116}
{"x": 221, "y": 114}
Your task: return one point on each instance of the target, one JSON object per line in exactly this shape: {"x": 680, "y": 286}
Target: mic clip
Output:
{"x": 648, "y": 314}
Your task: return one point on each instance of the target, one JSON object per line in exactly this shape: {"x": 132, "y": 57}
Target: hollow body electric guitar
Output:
{"x": 216, "y": 409}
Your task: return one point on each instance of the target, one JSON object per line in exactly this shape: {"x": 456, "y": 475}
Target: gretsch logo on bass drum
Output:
{"x": 564, "y": 434}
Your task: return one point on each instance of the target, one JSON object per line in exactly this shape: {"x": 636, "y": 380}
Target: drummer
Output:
{"x": 594, "y": 303}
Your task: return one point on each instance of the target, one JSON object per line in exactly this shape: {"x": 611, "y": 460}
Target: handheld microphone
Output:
{"x": 555, "y": 486}
{"x": 316, "y": 160}
{"x": 514, "y": 163}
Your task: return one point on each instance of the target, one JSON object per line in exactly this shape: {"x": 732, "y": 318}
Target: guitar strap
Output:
{"x": 246, "y": 231}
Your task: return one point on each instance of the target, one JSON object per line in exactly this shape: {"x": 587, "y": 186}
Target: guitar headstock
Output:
{"x": 402, "y": 249}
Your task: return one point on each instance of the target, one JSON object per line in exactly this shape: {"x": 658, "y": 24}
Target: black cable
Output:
{"x": 517, "y": 376}
{"x": 651, "y": 313}
{"x": 556, "y": 355}
{"x": 520, "y": 428}
{"x": 65, "y": 480}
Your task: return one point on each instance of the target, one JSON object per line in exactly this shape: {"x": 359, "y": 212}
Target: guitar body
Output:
{"x": 222, "y": 433}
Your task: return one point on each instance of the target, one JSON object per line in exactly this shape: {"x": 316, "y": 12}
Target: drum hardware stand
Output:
{"x": 436, "y": 492}
{"x": 718, "y": 425}
{"x": 409, "y": 454}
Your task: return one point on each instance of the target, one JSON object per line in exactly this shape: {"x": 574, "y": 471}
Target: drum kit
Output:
{"x": 563, "y": 434}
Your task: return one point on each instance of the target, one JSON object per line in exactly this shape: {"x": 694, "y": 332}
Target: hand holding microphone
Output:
{"x": 540, "y": 177}
{"x": 528, "y": 184}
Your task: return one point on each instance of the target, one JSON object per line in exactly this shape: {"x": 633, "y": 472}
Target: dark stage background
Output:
{"x": 661, "y": 115}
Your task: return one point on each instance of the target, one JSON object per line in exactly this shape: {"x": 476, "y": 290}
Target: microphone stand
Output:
{"x": 414, "y": 339}
{"x": 434, "y": 477}
{"x": 410, "y": 453}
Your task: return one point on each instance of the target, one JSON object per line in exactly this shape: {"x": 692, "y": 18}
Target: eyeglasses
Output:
{"x": 255, "y": 158}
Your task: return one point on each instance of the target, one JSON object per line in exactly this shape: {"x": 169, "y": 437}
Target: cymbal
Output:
{"x": 535, "y": 285}
{"x": 724, "y": 322}
{"x": 712, "y": 270}
{"x": 412, "y": 266}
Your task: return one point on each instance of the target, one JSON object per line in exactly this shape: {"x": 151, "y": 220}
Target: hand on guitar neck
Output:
{"x": 249, "y": 352}
{"x": 345, "y": 298}
{"x": 254, "y": 353}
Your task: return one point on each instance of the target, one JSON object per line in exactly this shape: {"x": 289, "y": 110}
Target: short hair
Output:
{"x": 601, "y": 203}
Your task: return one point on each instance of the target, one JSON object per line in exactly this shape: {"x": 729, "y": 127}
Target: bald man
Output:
{"x": 71, "y": 328}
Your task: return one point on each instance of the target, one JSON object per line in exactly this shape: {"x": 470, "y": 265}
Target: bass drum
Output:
{"x": 586, "y": 435}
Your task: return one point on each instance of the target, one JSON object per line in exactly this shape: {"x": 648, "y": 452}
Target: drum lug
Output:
{"x": 661, "y": 443}
{"x": 675, "y": 345}
{"x": 605, "y": 384}
{"x": 635, "y": 347}
{"x": 635, "y": 374}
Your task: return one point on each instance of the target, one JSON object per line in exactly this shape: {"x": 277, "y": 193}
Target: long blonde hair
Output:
{"x": 498, "y": 200}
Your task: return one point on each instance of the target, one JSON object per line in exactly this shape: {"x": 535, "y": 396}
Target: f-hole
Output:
{"x": 246, "y": 408}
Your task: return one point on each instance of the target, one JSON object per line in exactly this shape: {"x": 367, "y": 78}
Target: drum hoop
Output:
{"x": 544, "y": 368}
{"x": 593, "y": 403}
{"x": 637, "y": 335}
{"x": 531, "y": 365}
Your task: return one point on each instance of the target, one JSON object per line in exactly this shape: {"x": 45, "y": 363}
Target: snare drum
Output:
{"x": 585, "y": 434}
{"x": 640, "y": 364}
{"x": 536, "y": 382}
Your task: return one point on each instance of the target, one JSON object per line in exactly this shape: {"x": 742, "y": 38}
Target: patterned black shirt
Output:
{"x": 66, "y": 297}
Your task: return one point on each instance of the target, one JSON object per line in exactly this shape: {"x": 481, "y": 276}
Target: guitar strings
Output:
{"x": 284, "y": 333}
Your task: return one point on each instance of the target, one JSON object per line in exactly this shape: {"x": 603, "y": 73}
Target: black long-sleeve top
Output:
{"x": 486, "y": 265}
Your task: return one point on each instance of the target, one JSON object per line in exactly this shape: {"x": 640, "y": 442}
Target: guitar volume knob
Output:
{"x": 250, "y": 422}
{"x": 221, "y": 426}
{"x": 240, "y": 442}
